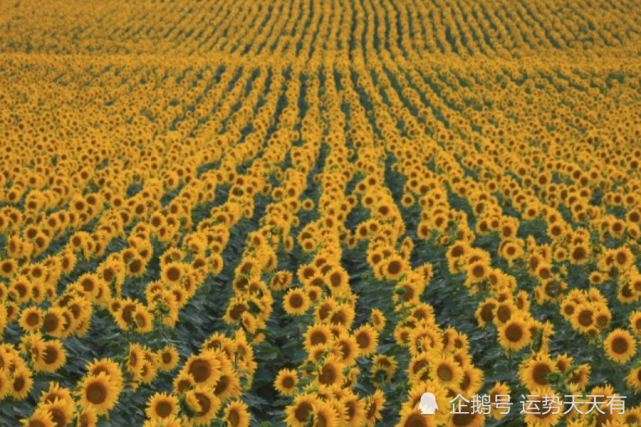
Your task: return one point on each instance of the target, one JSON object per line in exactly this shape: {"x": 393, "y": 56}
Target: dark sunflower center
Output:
{"x": 302, "y": 411}
{"x": 514, "y": 333}
{"x": 173, "y": 274}
{"x": 201, "y": 370}
{"x": 328, "y": 375}
{"x": 394, "y": 267}
{"x": 204, "y": 402}
{"x": 540, "y": 374}
{"x": 51, "y": 355}
{"x": 444, "y": 373}
{"x": 163, "y": 409}
{"x": 234, "y": 418}
{"x": 619, "y": 345}
{"x": 363, "y": 340}
{"x": 296, "y": 301}
{"x": 288, "y": 382}
{"x": 96, "y": 393}
{"x": 585, "y": 318}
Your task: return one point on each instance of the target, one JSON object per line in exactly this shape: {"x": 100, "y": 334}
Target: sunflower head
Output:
{"x": 620, "y": 346}
{"x": 161, "y": 406}
{"x": 98, "y": 393}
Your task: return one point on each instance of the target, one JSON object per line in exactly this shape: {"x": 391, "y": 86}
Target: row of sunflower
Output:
{"x": 303, "y": 172}
{"x": 464, "y": 29}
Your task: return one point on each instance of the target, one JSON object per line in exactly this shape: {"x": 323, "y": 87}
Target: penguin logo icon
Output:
{"x": 428, "y": 405}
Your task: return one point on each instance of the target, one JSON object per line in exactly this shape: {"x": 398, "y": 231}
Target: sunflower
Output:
{"x": 425, "y": 337}
{"x": 378, "y": 319}
{"x": 236, "y": 414}
{"x": 623, "y": 258}
{"x": 135, "y": 358}
{"x": 504, "y": 311}
{"x": 620, "y": 346}
{"x": 149, "y": 369}
{"x": 40, "y": 418}
{"x": 579, "y": 254}
{"x": 172, "y": 273}
{"x": 485, "y": 312}
{"x": 543, "y": 271}
{"x": 515, "y": 333}
{"x": 228, "y": 385}
{"x": 31, "y": 319}
{"x": 52, "y": 357}
{"x": 168, "y": 358}
{"x": 300, "y": 411}
{"x": 354, "y": 414}
{"x": 21, "y": 383}
{"x": 346, "y": 348}
{"x": 315, "y": 335}
{"x": 604, "y": 416}
{"x": 343, "y": 316}
{"x": 54, "y": 321}
{"x": 56, "y": 392}
{"x": 477, "y": 271}
{"x": 472, "y": 380}
{"x": 162, "y": 405}
{"x": 324, "y": 414}
{"x": 440, "y": 393}
{"x": 498, "y": 393}
{"x": 109, "y": 367}
{"x": 394, "y": 267}
{"x": 337, "y": 280}
{"x": 314, "y": 293}
{"x": 408, "y": 292}
{"x": 625, "y": 293}
{"x": 366, "y": 339}
{"x": 582, "y": 318}
{"x": 143, "y": 319}
{"x": 204, "y": 403}
{"x": 635, "y": 283}
{"x": 182, "y": 383}
{"x": 467, "y": 418}
{"x": 8, "y": 313}
{"x": 374, "y": 407}
{"x": 4, "y": 292}
{"x": 61, "y": 411}
{"x": 632, "y": 417}
{"x": 286, "y": 382}
{"x": 8, "y": 267}
{"x": 68, "y": 261}
{"x": 596, "y": 278}
{"x": 549, "y": 415}
{"x": 98, "y": 393}
{"x": 563, "y": 362}
{"x": 237, "y": 306}
{"x": 446, "y": 371}
{"x": 296, "y": 302}
{"x": 568, "y": 307}
{"x": 602, "y": 318}
{"x": 633, "y": 379}
{"x": 281, "y": 280}
{"x": 419, "y": 368}
{"x": 324, "y": 309}
{"x": 90, "y": 284}
{"x": 205, "y": 368}
{"x": 330, "y": 372}
{"x": 455, "y": 254}
{"x": 534, "y": 372}
{"x": 635, "y": 322}
{"x": 580, "y": 376}
{"x": 5, "y": 386}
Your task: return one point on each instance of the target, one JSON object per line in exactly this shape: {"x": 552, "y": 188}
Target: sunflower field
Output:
{"x": 297, "y": 213}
